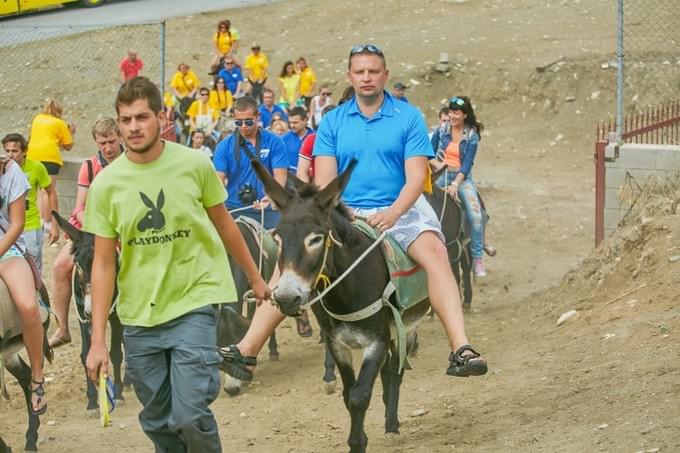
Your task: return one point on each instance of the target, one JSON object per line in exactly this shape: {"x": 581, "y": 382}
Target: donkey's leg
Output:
{"x": 92, "y": 404}
{"x": 329, "y": 378}
{"x": 391, "y": 382}
{"x": 273, "y": 347}
{"x": 466, "y": 269}
{"x": 117, "y": 356}
{"x": 360, "y": 394}
{"x": 20, "y": 370}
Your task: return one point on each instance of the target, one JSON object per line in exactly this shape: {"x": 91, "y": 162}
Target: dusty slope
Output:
{"x": 550, "y": 389}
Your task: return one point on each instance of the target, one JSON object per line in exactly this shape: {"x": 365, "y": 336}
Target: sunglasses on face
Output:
{"x": 228, "y": 63}
{"x": 456, "y": 100}
{"x": 371, "y": 48}
{"x": 328, "y": 93}
{"x": 205, "y": 94}
{"x": 249, "y": 122}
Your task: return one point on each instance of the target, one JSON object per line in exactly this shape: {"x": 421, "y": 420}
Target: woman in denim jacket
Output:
{"x": 458, "y": 140}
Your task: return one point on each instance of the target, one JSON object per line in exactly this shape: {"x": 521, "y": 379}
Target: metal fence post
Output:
{"x": 619, "y": 70}
{"x": 162, "y": 62}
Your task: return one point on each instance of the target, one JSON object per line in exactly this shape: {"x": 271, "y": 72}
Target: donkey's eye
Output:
{"x": 313, "y": 240}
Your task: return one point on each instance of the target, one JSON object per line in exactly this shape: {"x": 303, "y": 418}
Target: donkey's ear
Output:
{"x": 277, "y": 194}
{"x": 330, "y": 195}
{"x": 72, "y": 232}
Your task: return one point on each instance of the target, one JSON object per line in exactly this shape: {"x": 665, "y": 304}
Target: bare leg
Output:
{"x": 429, "y": 251}
{"x": 19, "y": 280}
{"x": 62, "y": 269}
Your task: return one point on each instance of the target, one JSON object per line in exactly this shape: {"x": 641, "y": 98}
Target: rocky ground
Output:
{"x": 605, "y": 380}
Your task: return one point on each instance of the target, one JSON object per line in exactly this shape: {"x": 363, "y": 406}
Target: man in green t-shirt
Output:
{"x": 165, "y": 206}
{"x": 35, "y": 171}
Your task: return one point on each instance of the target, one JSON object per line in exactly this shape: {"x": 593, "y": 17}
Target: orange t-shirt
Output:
{"x": 452, "y": 155}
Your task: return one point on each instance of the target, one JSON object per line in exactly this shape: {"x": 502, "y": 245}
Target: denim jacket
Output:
{"x": 468, "y": 146}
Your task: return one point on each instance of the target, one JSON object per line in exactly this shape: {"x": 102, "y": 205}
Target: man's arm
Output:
{"x": 103, "y": 281}
{"x": 236, "y": 246}
{"x": 54, "y": 206}
{"x": 281, "y": 176}
{"x": 325, "y": 170}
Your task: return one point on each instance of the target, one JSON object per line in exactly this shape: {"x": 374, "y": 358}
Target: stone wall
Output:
{"x": 641, "y": 161}
{"x": 67, "y": 184}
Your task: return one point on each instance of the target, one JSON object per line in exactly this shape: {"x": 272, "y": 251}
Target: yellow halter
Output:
{"x": 321, "y": 277}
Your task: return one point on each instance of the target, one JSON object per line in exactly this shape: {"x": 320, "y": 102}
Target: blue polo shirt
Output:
{"x": 380, "y": 144}
{"x": 293, "y": 143}
{"x": 272, "y": 155}
{"x": 266, "y": 115}
{"x": 232, "y": 78}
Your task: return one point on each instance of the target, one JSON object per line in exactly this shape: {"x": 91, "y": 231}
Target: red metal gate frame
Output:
{"x": 657, "y": 125}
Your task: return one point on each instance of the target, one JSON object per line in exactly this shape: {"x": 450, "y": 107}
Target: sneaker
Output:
{"x": 478, "y": 267}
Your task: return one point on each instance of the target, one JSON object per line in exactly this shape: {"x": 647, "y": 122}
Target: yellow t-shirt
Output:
{"x": 202, "y": 114}
{"x": 307, "y": 81}
{"x": 224, "y": 41}
{"x": 257, "y": 66}
{"x": 168, "y": 100}
{"x": 185, "y": 84}
{"x": 290, "y": 85}
{"x": 47, "y": 134}
{"x": 220, "y": 101}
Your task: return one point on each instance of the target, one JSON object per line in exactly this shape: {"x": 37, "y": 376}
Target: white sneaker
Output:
{"x": 478, "y": 267}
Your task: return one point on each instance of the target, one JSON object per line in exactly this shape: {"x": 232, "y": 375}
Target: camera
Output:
{"x": 247, "y": 194}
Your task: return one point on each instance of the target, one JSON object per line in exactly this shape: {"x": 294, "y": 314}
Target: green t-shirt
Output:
{"x": 172, "y": 260}
{"x": 38, "y": 179}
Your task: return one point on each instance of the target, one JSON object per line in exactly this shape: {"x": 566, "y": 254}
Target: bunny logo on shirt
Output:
{"x": 154, "y": 218}
{"x": 153, "y": 223}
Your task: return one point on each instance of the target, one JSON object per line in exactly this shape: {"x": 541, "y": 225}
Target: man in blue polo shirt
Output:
{"x": 297, "y": 121}
{"x": 388, "y": 138}
{"x": 267, "y": 109}
{"x": 232, "y": 163}
{"x": 232, "y": 75}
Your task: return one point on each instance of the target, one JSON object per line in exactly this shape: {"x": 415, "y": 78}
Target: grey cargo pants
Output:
{"x": 174, "y": 370}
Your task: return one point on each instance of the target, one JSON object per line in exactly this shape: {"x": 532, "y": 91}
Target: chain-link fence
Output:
{"x": 76, "y": 65}
{"x": 648, "y": 53}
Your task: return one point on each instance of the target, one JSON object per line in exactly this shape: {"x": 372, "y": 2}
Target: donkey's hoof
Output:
{"x": 329, "y": 386}
{"x": 392, "y": 439}
{"x": 93, "y": 413}
{"x": 274, "y": 356}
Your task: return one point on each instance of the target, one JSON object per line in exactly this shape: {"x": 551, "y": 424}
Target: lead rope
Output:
{"x": 259, "y": 264}
{"x": 446, "y": 195}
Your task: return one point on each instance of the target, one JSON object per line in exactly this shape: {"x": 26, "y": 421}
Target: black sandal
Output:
{"x": 40, "y": 393}
{"x": 466, "y": 365}
{"x": 235, "y": 364}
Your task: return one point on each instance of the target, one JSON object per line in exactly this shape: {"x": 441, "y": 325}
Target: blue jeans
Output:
{"x": 467, "y": 192}
{"x": 173, "y": 368}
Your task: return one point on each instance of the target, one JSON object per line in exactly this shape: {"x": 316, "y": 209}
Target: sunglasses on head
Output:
{"x": 249, "y": 122}
{"x": 370, "y": 48}
{"x": 457, "y": 101}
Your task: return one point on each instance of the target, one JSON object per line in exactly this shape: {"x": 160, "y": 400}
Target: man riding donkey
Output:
{"x": 390, "y": 143}
{"x": 165, "y": 205}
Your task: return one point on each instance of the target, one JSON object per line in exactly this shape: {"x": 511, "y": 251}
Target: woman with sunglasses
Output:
{"x": 319, "y": 102}
{"x": 457, "y": 149}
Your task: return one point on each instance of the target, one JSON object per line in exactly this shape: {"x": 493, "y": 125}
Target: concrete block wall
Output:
{"x": 67, "y": 184}
{"x": 641, "y": 161}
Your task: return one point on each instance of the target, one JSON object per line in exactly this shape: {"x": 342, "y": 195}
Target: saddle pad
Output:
{"x": 271, "y": 251}
{"x": 10, "y": 322}
{"x": 408, "y": 278}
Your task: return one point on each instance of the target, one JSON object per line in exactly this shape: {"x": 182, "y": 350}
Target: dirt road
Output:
{"x": 568, "y": 389}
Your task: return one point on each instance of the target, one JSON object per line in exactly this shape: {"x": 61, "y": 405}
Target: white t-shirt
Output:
{"x": 13, "y": 184}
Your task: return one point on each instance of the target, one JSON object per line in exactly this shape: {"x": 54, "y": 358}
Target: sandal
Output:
{"x": 235, "y": 364}
{"x": 40, "y": 393}
{"x": 304, "y": 328}
{"x": 471, "y": 364}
